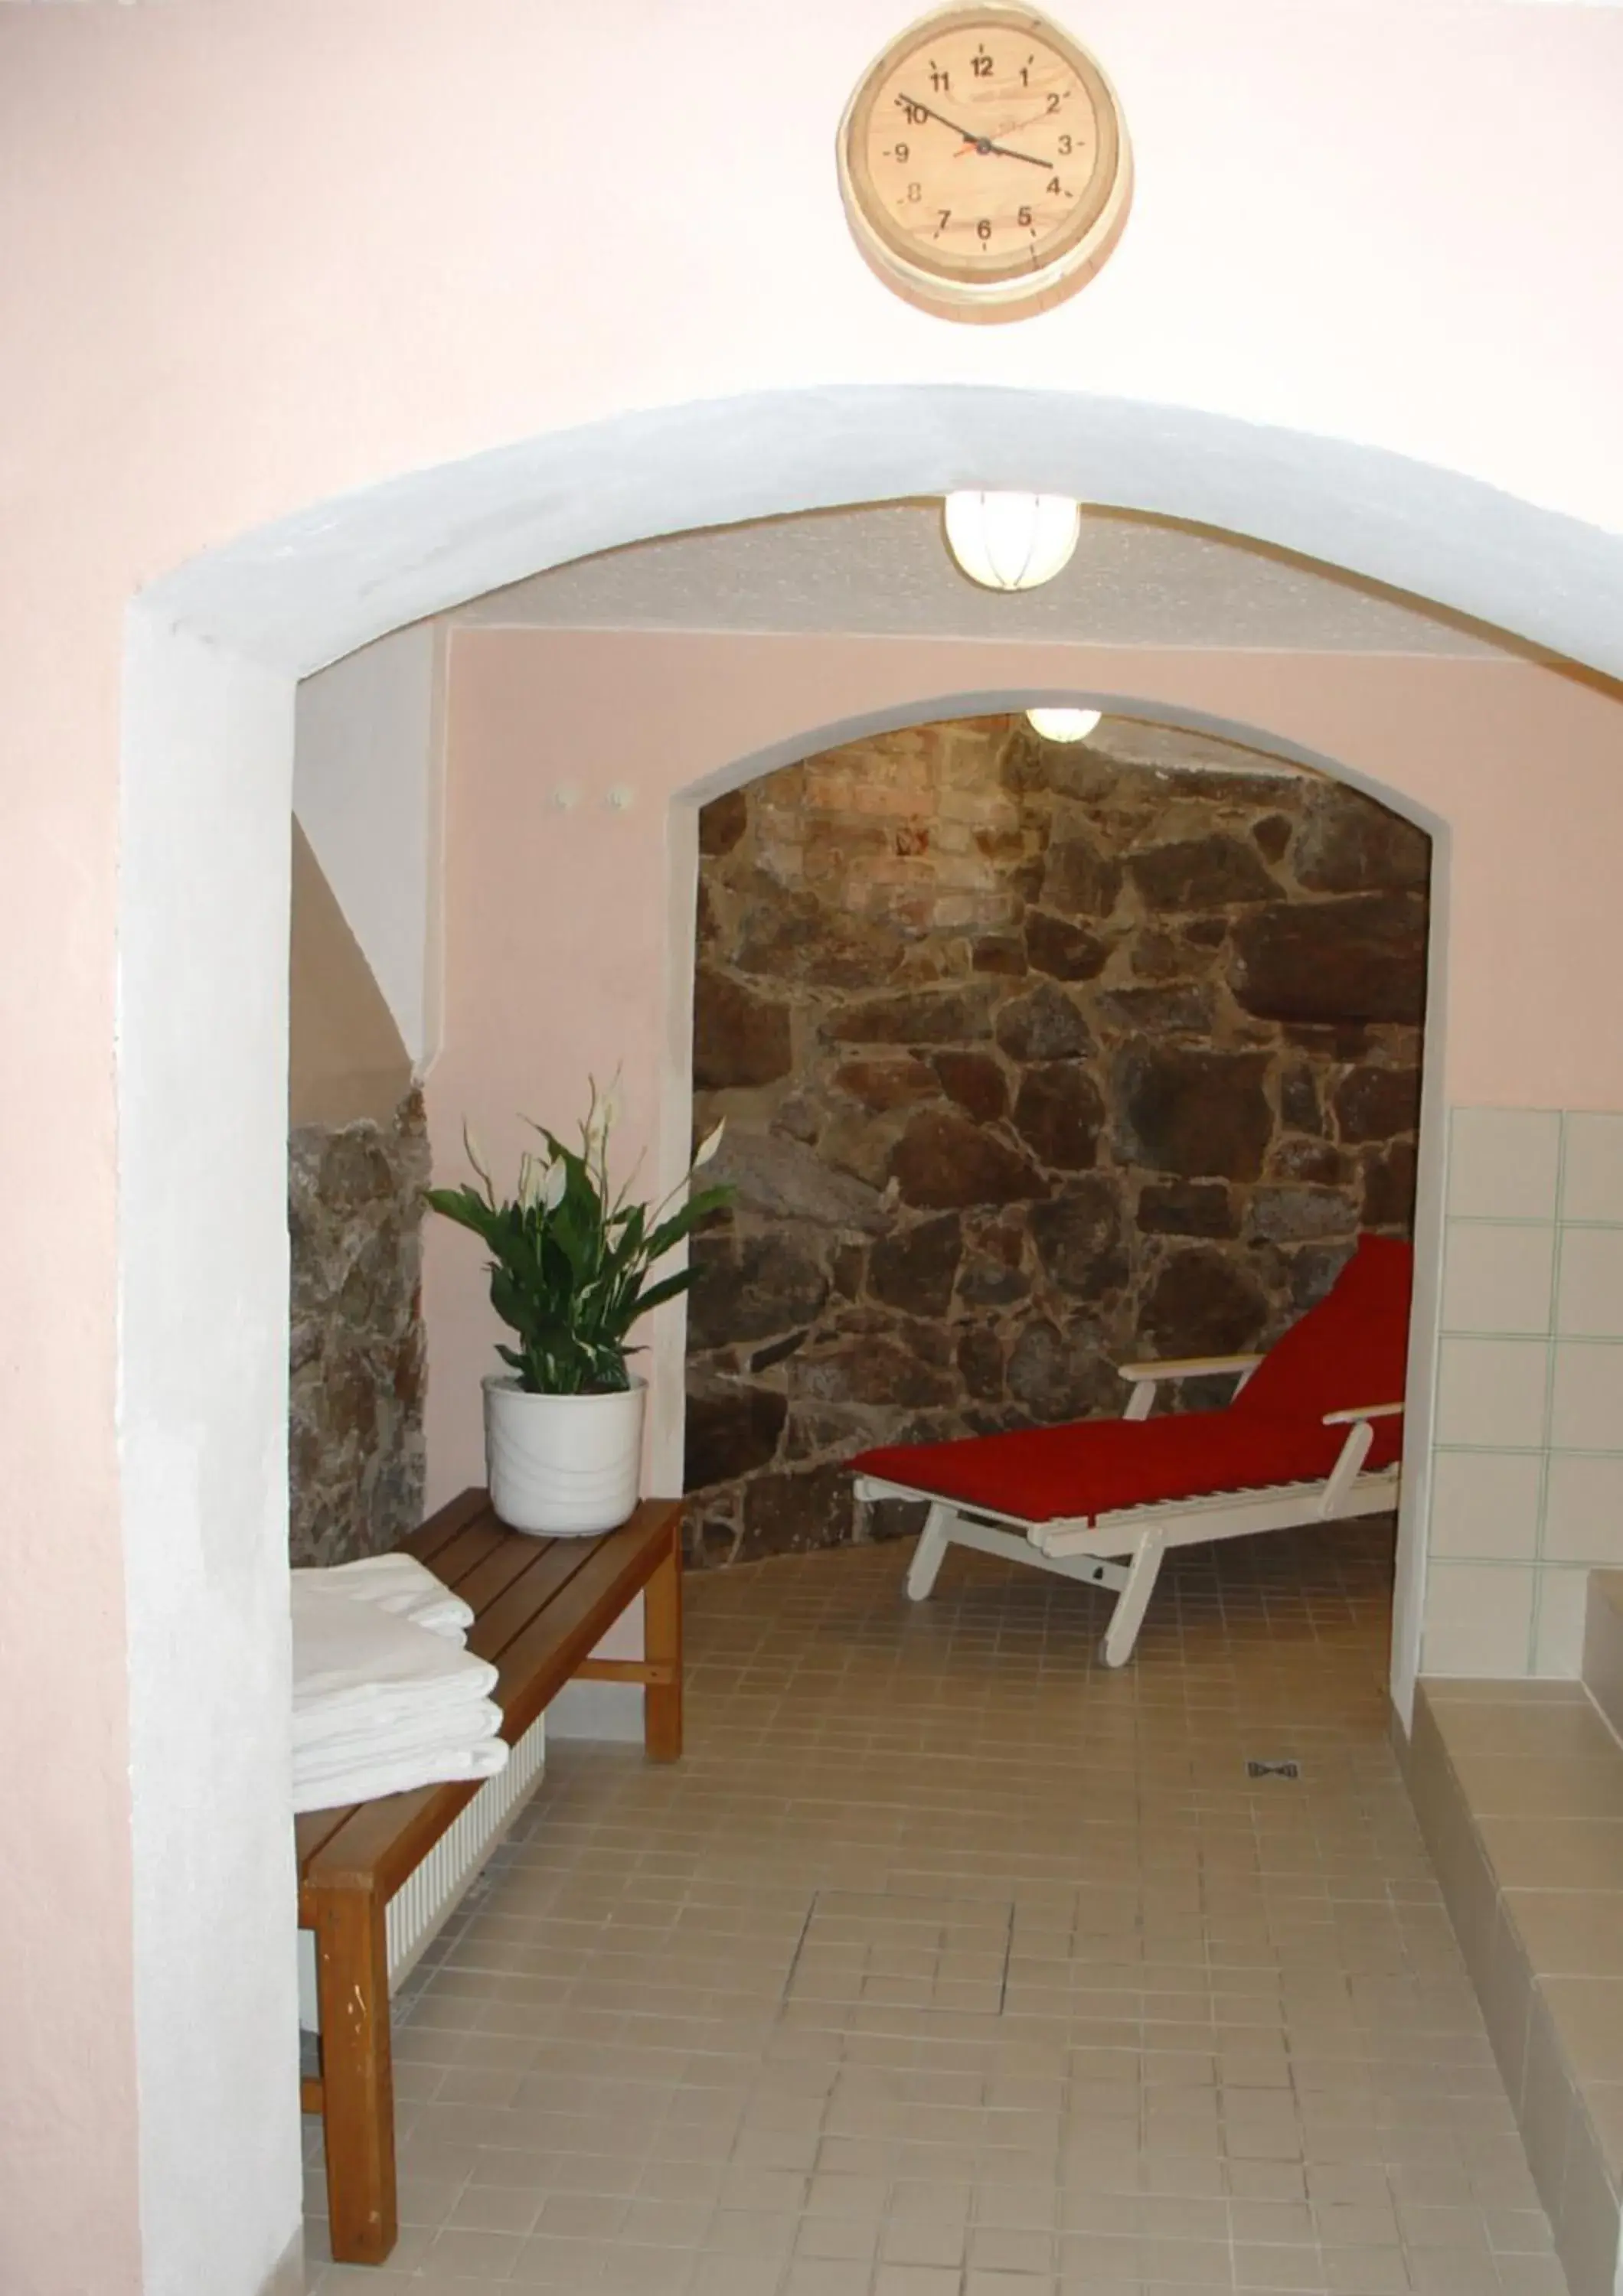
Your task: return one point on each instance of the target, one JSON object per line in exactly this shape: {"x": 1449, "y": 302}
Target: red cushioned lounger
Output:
{"x": 1314, "y": 1434}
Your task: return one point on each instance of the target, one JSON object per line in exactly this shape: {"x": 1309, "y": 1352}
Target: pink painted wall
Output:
{"x": 558, "y": 922}
{"x": 255, "y": 258}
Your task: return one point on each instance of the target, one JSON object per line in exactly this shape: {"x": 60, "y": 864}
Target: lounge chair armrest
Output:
{"x": 1364, "y": 1410}
{"x": 1186, "y": 1367}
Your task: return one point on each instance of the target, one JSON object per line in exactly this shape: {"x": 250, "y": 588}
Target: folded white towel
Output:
{"x": 352, "y": 1661}
{"x": 367, "y": 1782}
{"x": 402, "y": 1587}
{"x": 381, "y": 1704}
{"x": 406, "y": 1731}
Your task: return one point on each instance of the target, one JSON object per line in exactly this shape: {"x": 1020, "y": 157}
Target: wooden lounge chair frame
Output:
{"x": 1123, "y": 1550}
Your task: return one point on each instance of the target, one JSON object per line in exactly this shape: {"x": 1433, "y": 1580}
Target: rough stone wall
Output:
{"x": 1036, "y": 1059}
{"x": 355, "y": 1420}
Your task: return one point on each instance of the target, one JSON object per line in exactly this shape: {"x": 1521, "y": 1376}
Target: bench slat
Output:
{"x": 519, "y": 1577}
{"x": 428, "y": 1540}
{"x": 461, "y": 1556}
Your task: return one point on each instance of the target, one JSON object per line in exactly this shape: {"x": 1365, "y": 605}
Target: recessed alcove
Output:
{"x": 1035, "y": 1058}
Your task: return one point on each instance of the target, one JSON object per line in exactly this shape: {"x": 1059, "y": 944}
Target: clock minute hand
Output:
{"x": 1004, "y": 152}
{"x": 965, "y": 134}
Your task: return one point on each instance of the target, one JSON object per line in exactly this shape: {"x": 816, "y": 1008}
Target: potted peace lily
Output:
{"x": 569, "y": 1266}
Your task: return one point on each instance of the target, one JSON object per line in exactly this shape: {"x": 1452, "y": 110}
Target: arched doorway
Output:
{"x": 213, "y": 654}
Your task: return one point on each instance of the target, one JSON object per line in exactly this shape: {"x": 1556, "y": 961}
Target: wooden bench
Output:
{"x": 541, "y": 1606}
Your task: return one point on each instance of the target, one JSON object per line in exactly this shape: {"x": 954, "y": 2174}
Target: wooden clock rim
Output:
{"x": 901, "y": 262}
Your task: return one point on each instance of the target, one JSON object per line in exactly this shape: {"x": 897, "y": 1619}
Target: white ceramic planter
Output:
{"x": 563, "y": 1466}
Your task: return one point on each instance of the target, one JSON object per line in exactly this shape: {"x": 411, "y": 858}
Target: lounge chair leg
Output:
{"x": 927, "y": 1555}
{"x": 1133, "y": 1600}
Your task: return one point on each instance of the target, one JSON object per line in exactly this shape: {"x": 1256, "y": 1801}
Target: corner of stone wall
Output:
{"x": 358, "y": 1357}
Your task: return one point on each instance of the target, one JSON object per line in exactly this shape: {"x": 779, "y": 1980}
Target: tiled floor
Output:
{"x": 947, "y": 1964}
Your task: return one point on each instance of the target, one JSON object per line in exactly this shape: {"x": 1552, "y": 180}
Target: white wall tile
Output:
{"x": 1590, "y": 1301}
{"x": 1478, "y": 1619}
{"x": 1491, "y": 1392}
{"x": 1502, "y": 1162}
{"x": 1586, "y": 1413}
{"x": 1484, "y": 1504}
{"x": 1498, "y": 1279}
{"x": 1584, "y": 1510}
{"x": 1558, "y": 1639}
{"x": 1592, "y": 1175}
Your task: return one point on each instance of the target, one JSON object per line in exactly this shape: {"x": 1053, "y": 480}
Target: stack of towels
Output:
{"x": 385, "y": 1696}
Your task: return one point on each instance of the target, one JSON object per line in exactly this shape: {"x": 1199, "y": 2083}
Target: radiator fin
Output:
{"x": 427, "y": 1898}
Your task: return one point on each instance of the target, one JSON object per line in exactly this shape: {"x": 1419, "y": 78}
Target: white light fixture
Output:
{"x": 1012, "y": 542}
{"x": 1063, "y": 725}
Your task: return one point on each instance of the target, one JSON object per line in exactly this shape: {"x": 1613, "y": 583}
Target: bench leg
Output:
{"x": 662, "y": 1627}
{"x": 357, "y": 2075}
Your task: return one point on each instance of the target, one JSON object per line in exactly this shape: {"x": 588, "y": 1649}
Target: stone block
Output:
{"x": 914, "y": 1269}
{"x": 1187, "y": 1207}
{"x": 1057, "y": 1375}
{"x": 980, "y": 1362}
{"x": 1348, "y": 843}
{"x": 884, "y": 1084}
{"x": 1377, "y": 1103}
{"x": 1080, "y": 880}
{"x": 999, "y": 954}
{"x": 796, "y": 1513}
{"x": 1203, "y": 1303}
{"x": 1044, "y": 1026}
{"x": 869, "y": 1367}
{"x": 1359, "y": 959}
{"x": 784, "y": 1179}
{"x": 1300, "y": 1157}
{"x": 1388, "y": 1187}
{"x": 767, "y": 1284}
{"x": 1181, "y": 1008}
{"x": 730, "y": 1433}
{"x": 943, "y": 1162}
{"x": 739, "y": 1037}
{"x": 1078, "y": 1236}
{"x": 1200, "y": 1113}
{"x": 1059, "y": 1113}
{"x": 993, "y": 1270}
{"x": 1292, "y": 1213}
{"x": 1201, "y": 873}
{"x": 722, "y": 822}
{"x": 1062, "y": 948}
{"x": 975, "y": 1081}
{"x": 938, "y": 1016}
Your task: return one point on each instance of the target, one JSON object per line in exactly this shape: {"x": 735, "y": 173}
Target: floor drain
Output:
{"x": 1273, "y": 1769}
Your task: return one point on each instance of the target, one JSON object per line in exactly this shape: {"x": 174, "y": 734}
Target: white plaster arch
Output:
{"x": 300, "y": 592}
{"x": 213, "y": 653}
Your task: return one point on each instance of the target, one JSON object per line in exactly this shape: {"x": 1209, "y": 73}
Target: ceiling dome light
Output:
{"x": 1012, "y": 542}
{"x": 1063, "y": 725}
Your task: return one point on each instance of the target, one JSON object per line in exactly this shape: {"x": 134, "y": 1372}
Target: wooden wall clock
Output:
{"x": 984, "y": 163}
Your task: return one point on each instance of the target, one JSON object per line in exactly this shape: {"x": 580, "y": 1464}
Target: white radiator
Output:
{"x": 426, "y": 1898}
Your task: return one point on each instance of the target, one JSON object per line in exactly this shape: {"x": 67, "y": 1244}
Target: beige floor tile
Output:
{"x": 948, "y": 1963}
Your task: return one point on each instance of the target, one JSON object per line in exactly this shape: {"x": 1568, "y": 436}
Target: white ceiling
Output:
{"x": 882, "y": 568}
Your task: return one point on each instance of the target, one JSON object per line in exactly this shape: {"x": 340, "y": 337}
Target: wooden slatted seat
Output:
{"x": 541, "y": 1606}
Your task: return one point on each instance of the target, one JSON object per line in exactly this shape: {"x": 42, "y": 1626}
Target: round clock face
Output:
{"x": 985, "y": 164}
